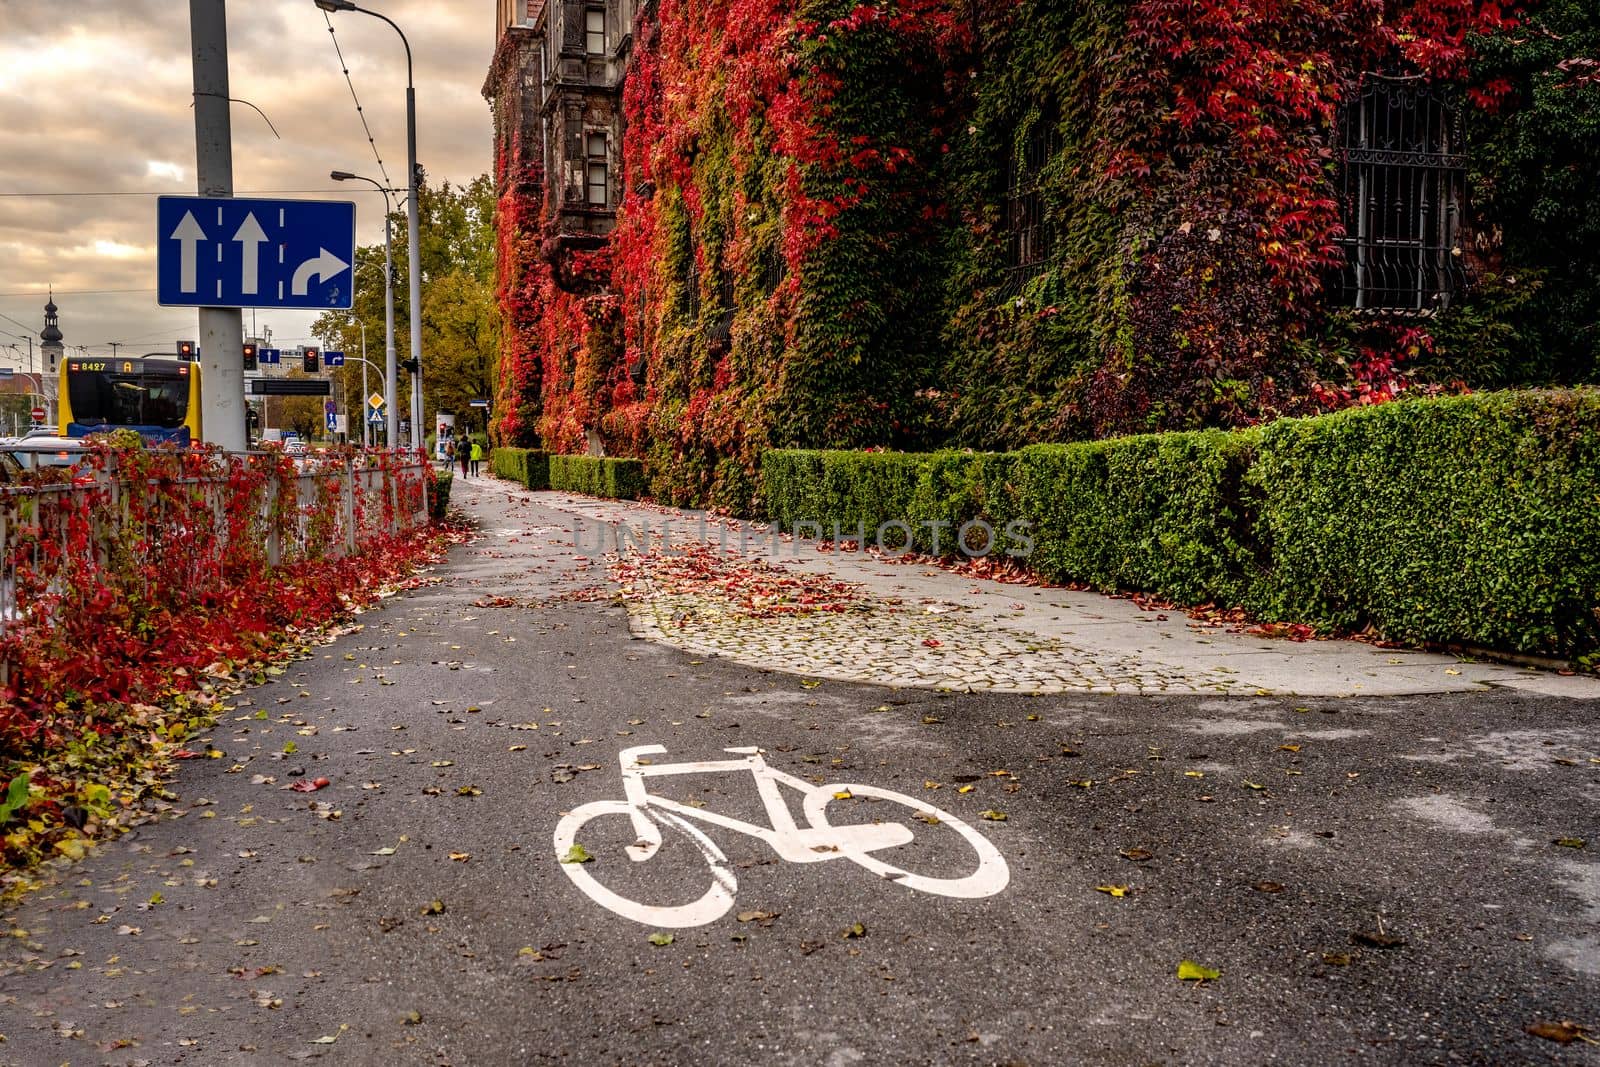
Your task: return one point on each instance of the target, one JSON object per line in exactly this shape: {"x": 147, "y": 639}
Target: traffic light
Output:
{"x": 188, "y": 351}
{"x": 311, "y": 357}
{"x": 250, "y": 357}
{"x": 410, "y": 365}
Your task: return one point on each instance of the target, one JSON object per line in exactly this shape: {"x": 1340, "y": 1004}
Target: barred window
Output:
{"x": 1402, "y": 170}
{"x": 1031, "y": 239}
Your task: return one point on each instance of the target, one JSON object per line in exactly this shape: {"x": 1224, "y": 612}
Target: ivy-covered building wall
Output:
{"x": 913, "y": 223}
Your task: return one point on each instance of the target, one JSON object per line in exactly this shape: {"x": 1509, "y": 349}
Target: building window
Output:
{"x": 1027, "y": 228}
{"x": 1402, "y": 174}
{"x": 594, "y": 31}
{"x": 598, "y": 171}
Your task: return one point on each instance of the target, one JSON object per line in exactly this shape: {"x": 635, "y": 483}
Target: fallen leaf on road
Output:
{"x": 1376, "y": 940}
{"x": 1190, "y": 971}
{"x": 461, "y": 857}
{"x": 1138, "y": 855}
{"x": 387, "y": 850}
{"x": 1564, "y": 1032}
{"x": 1571, "y": 842}
{"x": 1268, "y": 887}
{"x": 432, "y": 907}
{"x": 577, "y": 854}
{"x": 762, "y": 917}
{"x": 411, "y": 1018}
{"x": 308, "y": 785}
{"x": 1288, "y": 748}
{"x": 469, "y": 791}
{"x": 1113, "y": 890}
{"x": 855, "y": 930}
{"x": 994, "y": 816}
{"x": 660, "y": 940}
{"x": 844, "y": 794}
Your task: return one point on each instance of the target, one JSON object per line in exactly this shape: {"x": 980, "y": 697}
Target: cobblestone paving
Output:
{"x": 933, "y": 629}
{"x": 883, "y": 645}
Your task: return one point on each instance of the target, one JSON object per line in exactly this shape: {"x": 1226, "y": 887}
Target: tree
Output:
{"x": 460, "y": 320}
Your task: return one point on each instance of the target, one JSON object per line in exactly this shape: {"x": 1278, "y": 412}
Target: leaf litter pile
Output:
{"x": 751, "y": 588}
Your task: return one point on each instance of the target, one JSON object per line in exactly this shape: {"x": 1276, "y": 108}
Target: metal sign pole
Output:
{"x": 221, "y": 329}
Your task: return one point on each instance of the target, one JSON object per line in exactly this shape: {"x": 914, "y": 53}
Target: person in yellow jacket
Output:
{"x": 477, "y": 456}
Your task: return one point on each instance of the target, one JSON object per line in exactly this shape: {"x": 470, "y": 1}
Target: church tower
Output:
{"x": 52, "y": 351}
{"x": 52, "y": 348}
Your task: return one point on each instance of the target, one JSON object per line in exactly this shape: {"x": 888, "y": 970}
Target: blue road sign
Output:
{"x": 217, "y": 252}
{"x": 331, "y": 413}
{"x": 376, "y": 418}
{"x": 269, "y": 355}
{"x": 331, "y": 358}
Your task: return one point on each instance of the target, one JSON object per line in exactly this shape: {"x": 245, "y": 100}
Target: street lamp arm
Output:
{"x": 397, "y": 29}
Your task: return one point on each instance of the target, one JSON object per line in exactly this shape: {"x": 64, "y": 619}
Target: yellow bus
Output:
{"x": 159, "y": 397}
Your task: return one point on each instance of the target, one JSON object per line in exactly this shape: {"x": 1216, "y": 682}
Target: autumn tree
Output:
{"x": 460, "y": 320}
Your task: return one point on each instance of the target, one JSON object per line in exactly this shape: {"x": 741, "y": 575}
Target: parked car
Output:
{"x": 49, "y": 453}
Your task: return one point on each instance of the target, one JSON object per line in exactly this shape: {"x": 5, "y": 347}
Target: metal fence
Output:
{"x": 189, "y": 526}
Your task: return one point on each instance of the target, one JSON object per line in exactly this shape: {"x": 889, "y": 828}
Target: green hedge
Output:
{"x": 439, "y": 499}
{"x": 619, "y": 479}
{"x": 525, "y": 466}
{"x": 1469, "y": 519}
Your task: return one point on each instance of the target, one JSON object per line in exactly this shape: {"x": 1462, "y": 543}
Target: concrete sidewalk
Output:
{"x": 938, "y": 629}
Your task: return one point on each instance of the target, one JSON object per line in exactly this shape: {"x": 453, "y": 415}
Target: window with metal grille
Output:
{"x": 594, "y": 31}
{"x": 1402, "y": 174}
{"x": 1029, "y": 232}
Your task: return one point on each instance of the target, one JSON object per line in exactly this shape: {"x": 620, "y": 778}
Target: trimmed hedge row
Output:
{"x": 525, "y": 466}
{"x": 439, "y": 497}
{"x": 1468, "y": 519}
{"x": 619, "y": 479}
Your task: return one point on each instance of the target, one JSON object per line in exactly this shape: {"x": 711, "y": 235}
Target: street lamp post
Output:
{"x": 413, "y": 223}
{"x": 392, "y": 378}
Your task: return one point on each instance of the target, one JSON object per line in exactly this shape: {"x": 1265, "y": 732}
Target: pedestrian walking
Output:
{"x": 477, "y": 456}
{"x": 449, "y": 452}
{"x": 463, "y": 454}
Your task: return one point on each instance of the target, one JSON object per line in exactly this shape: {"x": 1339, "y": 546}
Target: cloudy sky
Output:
{"x": 95, "y": 99}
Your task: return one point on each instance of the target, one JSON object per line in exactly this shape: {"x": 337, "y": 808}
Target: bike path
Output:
{"x": 456, "y": 730}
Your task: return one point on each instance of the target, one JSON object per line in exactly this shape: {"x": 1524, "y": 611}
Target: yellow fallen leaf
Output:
{"x": 844, "y": 794}
{"x": 1114, "y": 890}
{"x": 965, "y": 788}
{"x": 1190, "y": 971}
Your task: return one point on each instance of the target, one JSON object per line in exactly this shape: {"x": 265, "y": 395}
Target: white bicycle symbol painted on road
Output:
{"x": 816, "y": 842}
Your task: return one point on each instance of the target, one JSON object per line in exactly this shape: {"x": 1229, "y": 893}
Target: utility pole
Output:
{"x": 221, "y": 329}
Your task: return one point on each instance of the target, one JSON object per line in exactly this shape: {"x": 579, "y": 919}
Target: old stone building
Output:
{"x": 556, "y": 87}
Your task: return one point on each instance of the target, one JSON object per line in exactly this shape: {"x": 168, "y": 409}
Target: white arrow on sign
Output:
{"x": 190, "y": 235}
{"x": 325, "y": 266}
{"x": 251, "y": 236}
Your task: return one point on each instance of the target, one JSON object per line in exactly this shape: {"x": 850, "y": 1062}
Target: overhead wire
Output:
{"x": 360, "y": 111}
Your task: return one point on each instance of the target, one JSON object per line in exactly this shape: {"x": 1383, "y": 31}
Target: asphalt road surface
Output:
{"x": 1376, "y": 880}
